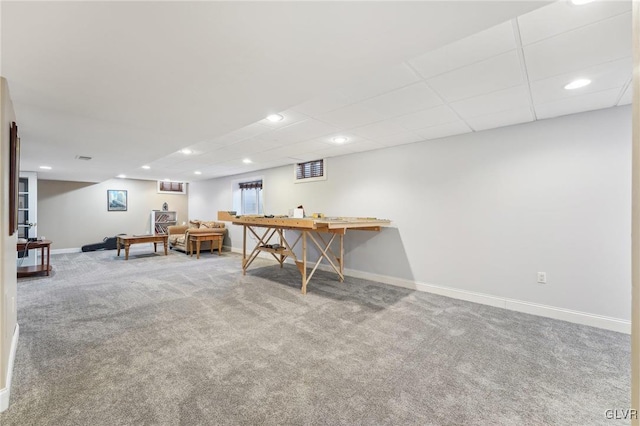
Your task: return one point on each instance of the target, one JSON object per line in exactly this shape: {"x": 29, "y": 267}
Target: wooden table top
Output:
{"x": 308, "y": 222}
{"x": 33, "y": 244}
{"x": 150, "y": 237}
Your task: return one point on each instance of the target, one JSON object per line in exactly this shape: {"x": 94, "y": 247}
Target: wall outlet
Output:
{"x": 542, "y": 277}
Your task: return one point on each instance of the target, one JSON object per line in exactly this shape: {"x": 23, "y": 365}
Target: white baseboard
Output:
{"x": 577, "y": 317}
{"x": 6, "y": 391}
{"x": 67, "y": 250}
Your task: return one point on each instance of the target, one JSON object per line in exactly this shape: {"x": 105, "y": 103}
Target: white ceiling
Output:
{"x": 131, "y": 83}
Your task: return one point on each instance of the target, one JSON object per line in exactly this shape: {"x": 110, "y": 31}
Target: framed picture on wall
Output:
{"x": 14, "y": 176}
{"x": 116, "y": 200}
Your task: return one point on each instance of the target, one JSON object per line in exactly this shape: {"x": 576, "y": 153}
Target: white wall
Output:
{"x": 8, "y": 273}
{"x": 482, "y": 212}
{"x": 73, "y": 214}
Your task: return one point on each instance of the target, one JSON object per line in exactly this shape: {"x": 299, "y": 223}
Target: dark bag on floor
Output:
{"x": 109, "y": 243}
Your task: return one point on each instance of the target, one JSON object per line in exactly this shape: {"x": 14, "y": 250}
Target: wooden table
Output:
{"x": 126, "y": 241}
{"x": 199, "y": 238}
{"x": 321, "y": 232}
{"x": 44, "y": 266}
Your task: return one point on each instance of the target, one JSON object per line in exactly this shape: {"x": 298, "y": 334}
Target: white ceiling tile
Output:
{"x": 398, "y": 139}
{"x": 380, "y": 82}
{"x": 499, "y": 72}
{"x": 444, "y": 130}
{"x": 563, "y": 16}
{"x": 403, "y": 101}
{"x": 502, "y": 118}
{"x": 584, "y": 47}
{"x": 294, "y": 150}
{"x": 289, "y": 117}
{"x": 627, "y": 96}
{"x": 323, "y": 103}
{"x": 350, "y": 116}
{"x": 478, "y": 47}
{"x": 232, "y": 137}
{"x": 220, "y": 156}
{"x": 303, "y": 130}
{"x": 574, "y": 104}
{"x": 379, "y": 129}
{"x": 365, "y": 145}
{"x": 249, "y": 146}
{"x": 266, "y": 156}
{"x": 430, "y": 117}
{"x": 267, "y": 140}
{"x": 501, "y": 100}
{"x": 604, "y": 76}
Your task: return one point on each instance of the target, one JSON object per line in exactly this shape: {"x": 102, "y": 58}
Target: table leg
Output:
{"x": 211, "y": 241}
{"x": 190, "y": 247}
{"x": 155, "y": 247}
{"x": 126, "y": 251}
{"x": 48, "y": 259}
{"x": 304, "y": 262}
{"x": 341, "y": 260}
{"x": 219, "y": 244}
{"x": 118, "y": 242}
{"x": 244, "y": 249}
{"x": 198, "y": 249}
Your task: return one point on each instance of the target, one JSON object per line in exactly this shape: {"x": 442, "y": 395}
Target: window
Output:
{"x": 168, "y": 187}
{"x": 310, "y": 171}
{"x": 251, "y": 197}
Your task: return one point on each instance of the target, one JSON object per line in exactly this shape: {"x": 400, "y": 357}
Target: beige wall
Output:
{"x": 72, "y": 214}
{"x": 7, "y": 243}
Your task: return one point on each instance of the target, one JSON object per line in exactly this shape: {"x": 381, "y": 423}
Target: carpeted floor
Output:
{"x": 171, "y": 340}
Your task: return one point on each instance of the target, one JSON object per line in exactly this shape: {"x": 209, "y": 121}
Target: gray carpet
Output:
{"x": 171, "y": 340}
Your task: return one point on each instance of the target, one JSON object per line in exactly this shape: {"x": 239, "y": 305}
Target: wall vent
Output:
{"x": 83, "y": 157}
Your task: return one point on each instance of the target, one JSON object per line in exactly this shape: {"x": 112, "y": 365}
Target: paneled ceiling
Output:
{"x": 131, "y": 84}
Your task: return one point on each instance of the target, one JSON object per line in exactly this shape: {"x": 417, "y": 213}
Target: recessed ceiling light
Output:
{"x": 197, "y": 173}
{"x": 45, "y": 167}
{"x": 340, "y": 139}
{"x": 122, "y": 176}
{"x": 247, "y": 161}
{"x": 146, "y": 167}
{"x": 274, "y": 118}
{"x": 186, "y": 151}
{"x": 576, "y": 84}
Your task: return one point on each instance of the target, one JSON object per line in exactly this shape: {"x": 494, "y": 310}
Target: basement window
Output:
{"x": 169, "y": 187}
{"x": 310, "y": 171}
{"x": 251, "y": 197}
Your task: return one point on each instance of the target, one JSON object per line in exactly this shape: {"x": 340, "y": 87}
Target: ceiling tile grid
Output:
{"x": 510, "y": 73}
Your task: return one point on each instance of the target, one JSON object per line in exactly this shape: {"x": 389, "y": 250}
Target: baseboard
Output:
{"x": 577, "y": 317}
{"x": 67, "y": 250}
{"x": 6, "y": 391}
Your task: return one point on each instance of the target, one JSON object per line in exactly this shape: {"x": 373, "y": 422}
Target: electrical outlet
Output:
{"x": 542, "y": 277}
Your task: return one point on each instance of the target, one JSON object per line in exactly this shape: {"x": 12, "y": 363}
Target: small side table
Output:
{"x": 44, "y": 266}
{"x": 199, "y": 238}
